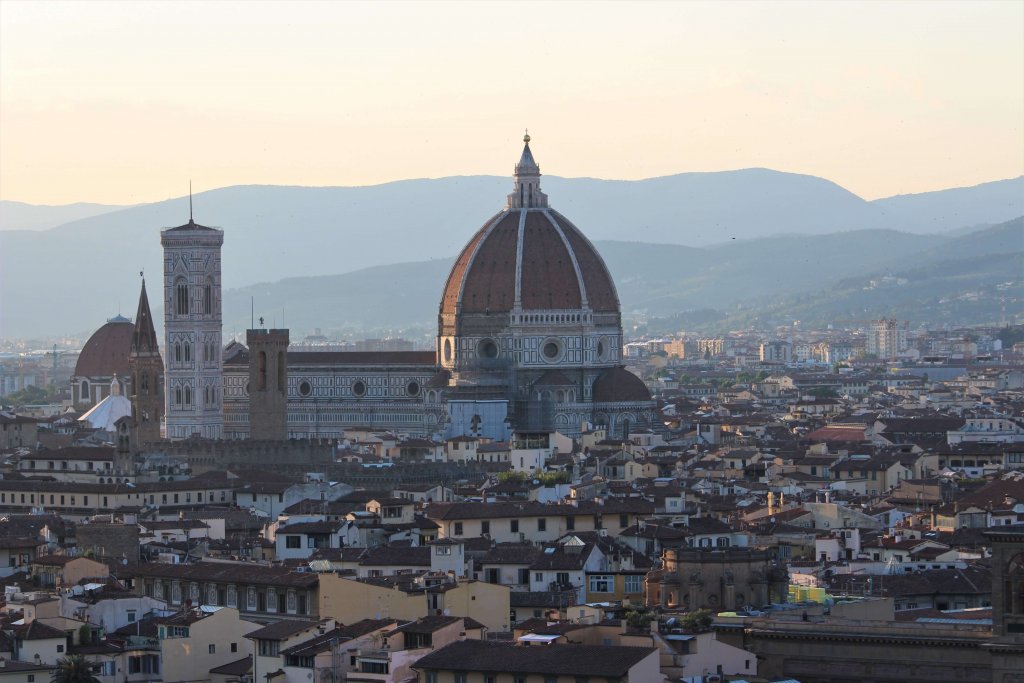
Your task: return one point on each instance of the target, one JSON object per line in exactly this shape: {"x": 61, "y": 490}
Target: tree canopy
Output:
{"x": 74, "y": 669}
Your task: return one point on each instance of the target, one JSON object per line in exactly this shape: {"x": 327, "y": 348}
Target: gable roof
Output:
{"x": 280, "y": 630}
{"x": 37, "y": 630}
{"x": 324, "y": 641}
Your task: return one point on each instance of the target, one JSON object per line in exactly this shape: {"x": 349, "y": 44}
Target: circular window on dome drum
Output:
{"x": 448, "y": 350}
{"x": 413, "y": 388}
{"x": 488, "y": 349}
{"x": 359, "y": 388}
{"x": 552, "y": 350}
{"x": 305, "y": 388}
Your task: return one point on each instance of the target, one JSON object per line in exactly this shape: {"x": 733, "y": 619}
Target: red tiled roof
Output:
{"x": 362, "y": 357}
{"x": 548, "y": 279}
{"x": 610, "y": 661}
{"x": 837, "y": 433}
{"x": 596, "y": 279}
{"x": 485, "y": 274}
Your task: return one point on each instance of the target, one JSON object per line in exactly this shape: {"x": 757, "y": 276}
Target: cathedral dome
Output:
{"x": 106, "y": 352}
{"x": 528, "y": 258}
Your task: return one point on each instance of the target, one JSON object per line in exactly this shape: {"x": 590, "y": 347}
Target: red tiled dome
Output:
{"x": 556, "y": 267}
{"x": 618, "y": 385}
{"x": 106, "y": 352}
{"x": 528, "y": 257}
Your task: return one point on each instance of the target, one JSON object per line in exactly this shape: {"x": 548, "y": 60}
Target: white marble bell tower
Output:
{"x": 193, "y": 386}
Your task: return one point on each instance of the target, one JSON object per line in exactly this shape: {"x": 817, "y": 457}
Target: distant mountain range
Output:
{"x": 71, "y": 277}
{"x": 816, "y": 279}
{"x": 976, "y": 278}
{"x": 22, "y": 216}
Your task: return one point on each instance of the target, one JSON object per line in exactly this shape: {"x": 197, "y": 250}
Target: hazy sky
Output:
{"x": 125, "y": 102}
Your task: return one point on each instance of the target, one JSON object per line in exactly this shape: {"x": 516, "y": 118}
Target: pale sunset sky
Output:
{"x": 124, "y": 102}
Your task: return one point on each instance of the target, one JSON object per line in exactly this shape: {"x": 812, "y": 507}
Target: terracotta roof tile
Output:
{"x": 569, "y": 660}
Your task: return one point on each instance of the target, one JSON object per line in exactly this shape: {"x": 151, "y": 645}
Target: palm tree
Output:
{"x": 74, "y": 669}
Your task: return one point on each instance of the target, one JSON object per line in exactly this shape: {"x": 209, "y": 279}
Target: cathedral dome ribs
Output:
{"x": 528, "y": 260}
{"x": 528, "y": 265}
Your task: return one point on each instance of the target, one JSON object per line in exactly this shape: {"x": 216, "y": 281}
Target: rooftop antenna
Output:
{"x": 190, "y": 200}
{"x": 252, "y": 313}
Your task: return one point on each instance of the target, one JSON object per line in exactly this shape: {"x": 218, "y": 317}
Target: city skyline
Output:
{"x": 114, "y": 104}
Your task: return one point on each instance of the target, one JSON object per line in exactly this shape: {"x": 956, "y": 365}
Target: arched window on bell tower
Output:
{"x": 261, "y": 370}
{"x": 181, "y": 296}
{"x": 208, "y": 296}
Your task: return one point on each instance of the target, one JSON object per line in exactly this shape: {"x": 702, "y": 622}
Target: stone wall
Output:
{"x": 204, "y": 455}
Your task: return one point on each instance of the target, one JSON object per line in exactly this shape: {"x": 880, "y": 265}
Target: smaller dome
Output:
{"x": 618, "y": 385}
{"x": 106, "y": 352}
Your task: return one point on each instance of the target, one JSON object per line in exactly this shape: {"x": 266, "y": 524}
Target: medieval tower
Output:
{"x": 147, "y": 370}
{"x": 268, "y": 384}
{"x": 193, "y": 388}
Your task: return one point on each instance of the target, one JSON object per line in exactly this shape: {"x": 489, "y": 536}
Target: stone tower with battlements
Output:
{"x": 193, "y": 384}
{"x": 268, "y": 384}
